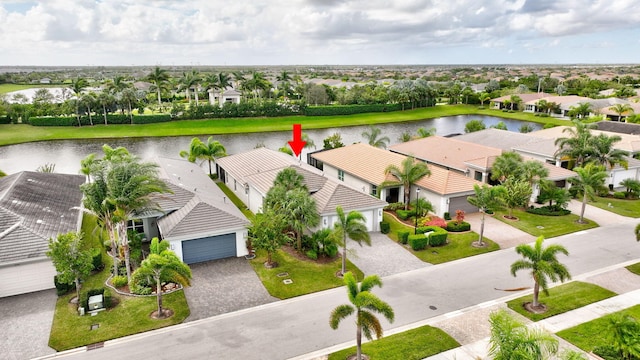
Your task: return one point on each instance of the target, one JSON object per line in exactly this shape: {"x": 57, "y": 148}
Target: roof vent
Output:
{"x": 39, "y": 221}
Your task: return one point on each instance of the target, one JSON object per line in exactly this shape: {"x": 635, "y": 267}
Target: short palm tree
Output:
{"x": 365, "y": 304}
{"x": 577, "y": 146}
{"x": 624, "y": 336}
{"x": 351, "y": 226}
{"x": 373, "y": 137}
{"x": 510, "y": 339}
{"x": 588, "y": 183}
{"x": 486, "y": 198}
{"x": 209, "y": 151}
{"x": 544, "y": 266}
{"x": 605, "y": 154}
{"x": 621, "y": 109}
{"x": 408, "y": 174}
{"x": 162, "y": 265}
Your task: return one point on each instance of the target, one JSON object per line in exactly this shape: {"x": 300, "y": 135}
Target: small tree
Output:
{"x": 350, "y": 226}
{"x": 487, "y": 198}
{"x": 267, "y": 232}
{"x": 459, "y": 216}
{"x": 511, "y": 339}
{"x": 162, "y": 265}
{"x": 543, "y": 264}
{"x": 364, "y": 304}
{"x": 71, "y": 262}
{"x": 516, "y": 194}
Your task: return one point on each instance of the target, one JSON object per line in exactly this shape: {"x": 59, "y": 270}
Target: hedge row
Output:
{"x": 112, "y": 119}
{"x": 549, "y": 211}
{"x": 453, "y": 226}
{"x": 5, "y": 120}
{"x": 232, "y": 110}
{"x": 332, "y": 110}
{"x": 405, "y": 214}
{"x": 437, "y": 237}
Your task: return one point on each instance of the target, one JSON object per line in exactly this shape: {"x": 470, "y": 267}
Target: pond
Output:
{"x": 66, "y": 154}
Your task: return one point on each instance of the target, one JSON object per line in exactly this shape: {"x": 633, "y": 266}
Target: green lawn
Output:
{"x": 235, "y": 200}
{"x": 562, "y": 298}
{"x": 593, "y": 334}
{"x": 547, "y": 226}
{"x": 20, "y": 133}
{"x": 458, "y": 247}
{"x": 635, "y": 268}
{"x": 624, "y": 207}
{"x": 7, "y": 88}
{"x": 412, "y": 344}
{"x": 308, "y": 276}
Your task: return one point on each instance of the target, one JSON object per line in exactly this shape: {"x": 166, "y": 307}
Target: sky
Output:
{"x": 317, "y": 32}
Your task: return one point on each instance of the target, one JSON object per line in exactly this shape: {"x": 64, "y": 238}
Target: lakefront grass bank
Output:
{"x": 20, "y": 133}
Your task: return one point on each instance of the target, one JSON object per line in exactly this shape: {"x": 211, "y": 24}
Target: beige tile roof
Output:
{"x": 628, "y": 143}
{"x": 369, "y": 163}
{"x": 447, "y": 152}
{"x": 505, "y": 140}
{"x": 255, "y": 161}
{"x": 525, "y": 97}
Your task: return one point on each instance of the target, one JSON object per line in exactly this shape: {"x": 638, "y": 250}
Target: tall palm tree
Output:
{"x": 582, "y": 110}
{"x": 373, "y": 137}
{"x": 162, "y": 265}
{"x": 511, "y": 339}
{"x": 300, "y": 212}
{"x": 365, "y": 304}
{"x": 128, "y": 97}
{"x": 408, "y": 174}
{"x": 605, "y": 154}
{"x": 544, "y": 266}
{"x": 505, "y": 166}
{"x": 77, "y": 87}
{"x": 486, "y": 198}
{"x": 578, "y": 145}
{"x": 88, "y": 100}
{"x": 589, "y": 182}
{"x": 159, "y": 78}
{"x": 191, "y": 80}
{"x": 209, "y": 151}
{"x": 105, "y": 100}
{"x": 621, "y": 109}
{"x": 352, "y": 226}
{"x": 118, "y": 84}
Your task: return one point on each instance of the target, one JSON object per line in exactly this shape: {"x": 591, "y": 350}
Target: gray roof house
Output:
{"x": 34, "y": 207}
{"x": 198, "y": 220}
{"x": 251, "y": 174}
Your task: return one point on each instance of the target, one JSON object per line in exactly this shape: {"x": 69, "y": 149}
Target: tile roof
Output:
{"x": 629, "y": 142}
{"x": 448, "y": 152}
{"x": 505, "y": 140}
{"x": 525, "y": 97}
{"x": 35, "y": 207}
{"x": 334, "y": 194}
{"x": 255, "y": 161}
{"x": 619, "y": 127}
{"x": 197, "y": 206}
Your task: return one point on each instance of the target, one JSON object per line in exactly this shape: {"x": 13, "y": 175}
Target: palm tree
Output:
{"x": 105, "y": 100}
{"x": 117, "y": 84}
{"x": 352, "y": 226}
{"x": 620, "y": 109}
{"x": 128, "y": 96}
{"x": 505, "y": 166}
{"x": 159, "y": 78}
{"x": 487, "y": 198}
{"x": 605, "y": 154}
{"x": 578, "y": 146}
{"x": 580, "y": 111}
{"x": 88, "y": 100}
{"x": 623, "y": 335}
{"x": 86, "y": 165}
{"x": 484, "y": 96}
{"x": 589, "y": 182}
{"x": 408, "y": 174}
{"x": 190, "y": 80}
{"x": 210, "y": 151}
{"x": 300, "y": 212}
{"x": 511, "y": 339}
{"x": 372, "y": 137}
{"x": 162, "y": 265}
{"x": 77, "y": 86}
{"x": 543, "y": 264}
{"x": 365, "y": 304}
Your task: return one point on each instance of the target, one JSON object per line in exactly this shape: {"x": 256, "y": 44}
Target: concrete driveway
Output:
{"x": 383, "y": 258}
{"x": 26, "y": 324}
{"x": 223, "y": 286}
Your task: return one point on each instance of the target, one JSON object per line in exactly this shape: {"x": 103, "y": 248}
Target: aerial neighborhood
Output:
{"x": 134, "y": 242}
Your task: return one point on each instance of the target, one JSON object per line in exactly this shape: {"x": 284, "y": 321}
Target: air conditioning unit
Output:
{"x": 95, "y": 302}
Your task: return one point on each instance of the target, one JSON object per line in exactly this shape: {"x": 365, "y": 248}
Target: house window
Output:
{"x": 340, "y": 175}
{"x": 136, "y": 225}
{"x": 478, "y": 176}
{"x": 374, "y": 190}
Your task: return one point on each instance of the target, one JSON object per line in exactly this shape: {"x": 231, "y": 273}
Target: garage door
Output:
{"x": 26, "y": 278}
{"x": 209, "y": 248}
{"x": 460, "y": 203}
{"x": 368, "y": 219}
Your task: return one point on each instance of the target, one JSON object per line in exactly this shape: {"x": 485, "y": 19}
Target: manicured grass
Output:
{"x": 635, "y": 268}
{"x": 235, "y": 200}
{"x": 458, "y": 247}
{"x": 547, "y": 226}
{"x": 624, "y": 207}
{"x": 7, "y": 88}
{"x": 308, "y": 276}
{"x": 593, "y": 334}
{"x": 20, "y": 133}
{"x": 412, "y": 344}
{"x": 562, "y": 298}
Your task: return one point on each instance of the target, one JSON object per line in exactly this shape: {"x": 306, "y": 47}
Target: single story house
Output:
{"x": 251, "y": 174}
{"x": 499, "y": 103}
{"x": 34, "y": 207}
{"x": 362, "y": 166}
{"x": 198, "y": 220}
{"x": 217, "y": 97}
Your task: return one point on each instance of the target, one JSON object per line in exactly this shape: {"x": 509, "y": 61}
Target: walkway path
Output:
{"x": 503, "y": 234}
{"x": 384, "y": 257}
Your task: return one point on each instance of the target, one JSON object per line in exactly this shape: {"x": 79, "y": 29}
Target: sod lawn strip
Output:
{"x": 624, "y": 207}
{"x": 306, "y": 275}
{"x": 561, "y": 299}
{"x": 635, "y": 268}
{"x": 592, "y": 334}
{"x": 547, "y": 226}
{"x": 415, "y": 344}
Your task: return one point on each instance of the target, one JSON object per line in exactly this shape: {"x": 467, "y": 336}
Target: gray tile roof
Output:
{"x": 35, "y": 207}
{"x": 197, "y": 206}
{"x": 619, "y": 127}
{"x": 334, "y": 194}
{"x": 505, "y": 140}
{"x": 255, "y": 161}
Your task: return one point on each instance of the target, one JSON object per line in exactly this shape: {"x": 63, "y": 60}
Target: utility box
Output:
{"x": 96, "y": 302}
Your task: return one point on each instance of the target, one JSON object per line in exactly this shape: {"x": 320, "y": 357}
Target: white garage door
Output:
{"x": 368, "y": 216}
{"x": 25, "y": 278}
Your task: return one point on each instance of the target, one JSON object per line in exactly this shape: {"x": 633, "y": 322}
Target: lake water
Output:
{"x": 66, "y": 154}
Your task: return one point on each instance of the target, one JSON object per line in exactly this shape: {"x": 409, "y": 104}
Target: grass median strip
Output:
{"x": 412, "y": 344}
{"x": 562, "y": 298}
{"x": 624, "y": 207}
{"x": 547, "y": 226}
{"x": 635, "y": 268}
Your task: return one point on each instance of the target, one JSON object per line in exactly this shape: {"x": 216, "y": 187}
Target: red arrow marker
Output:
{"x": 297, "y": 143}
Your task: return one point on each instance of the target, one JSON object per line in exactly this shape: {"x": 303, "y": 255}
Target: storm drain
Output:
{"x": 95, "y": 326}
{"x": 287, "y": 281}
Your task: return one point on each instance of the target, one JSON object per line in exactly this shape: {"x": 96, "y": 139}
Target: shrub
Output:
{"x": 405, "y": 214}
{"x": 553, "y": 210}
{"x": 119, "y": 281}
{"x": 96, "y": 259}
{"x": 331, "y": 250}
{"x": 418, "y": 241}
{"x": 61, "y": 288}
{"x": 619, "y": 195}
{"x": 394, "y": 206}
{"x": 332, "y": 110}
{"x": 454, "y": 226}
{"x": 447, "y": 216}
{"x": 385, "y": 227}
{"x": 437, "y": 237}
{"x": 459, "y": 216}
{"x": 312, "y": 254}
{"x": 436, "y": 221}
{"x": 403, "y": 236}
{"x": 141, "y": 289}
{"x": 107, "y": 299}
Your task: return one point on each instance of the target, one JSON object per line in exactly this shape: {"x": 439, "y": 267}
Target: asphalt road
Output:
{"x": 299, "y": 326}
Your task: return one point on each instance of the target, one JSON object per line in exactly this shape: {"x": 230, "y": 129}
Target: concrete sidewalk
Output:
{"x": 501, "y": 233}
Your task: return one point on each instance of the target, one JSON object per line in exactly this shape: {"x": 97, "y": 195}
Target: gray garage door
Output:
{"x": 460, "y": 203}
{"x": 209, "y": 248}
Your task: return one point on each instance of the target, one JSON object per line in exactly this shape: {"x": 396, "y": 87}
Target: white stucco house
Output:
{"x": 220, "y": 97}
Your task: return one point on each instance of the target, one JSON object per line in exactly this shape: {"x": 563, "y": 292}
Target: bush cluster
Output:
{"x": 553, "y": 210}
{"x": 62, "y": 288}
{"x": 403, "y": 236}
{"x": 405, "y": 214}
{"x": 332, "y": 110}
{"x": 394, "y": 206}
{"x": 267, "y": 108}
{"x": 96, "y": 259}
{"x": 619, "y": 195}
{"x": 385, "y": 227}
{"x": 119, "y": 281}
{"x": 5, "y": 120}
{"x": 454, "y": 226}
{"x": 437, "y": 237}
